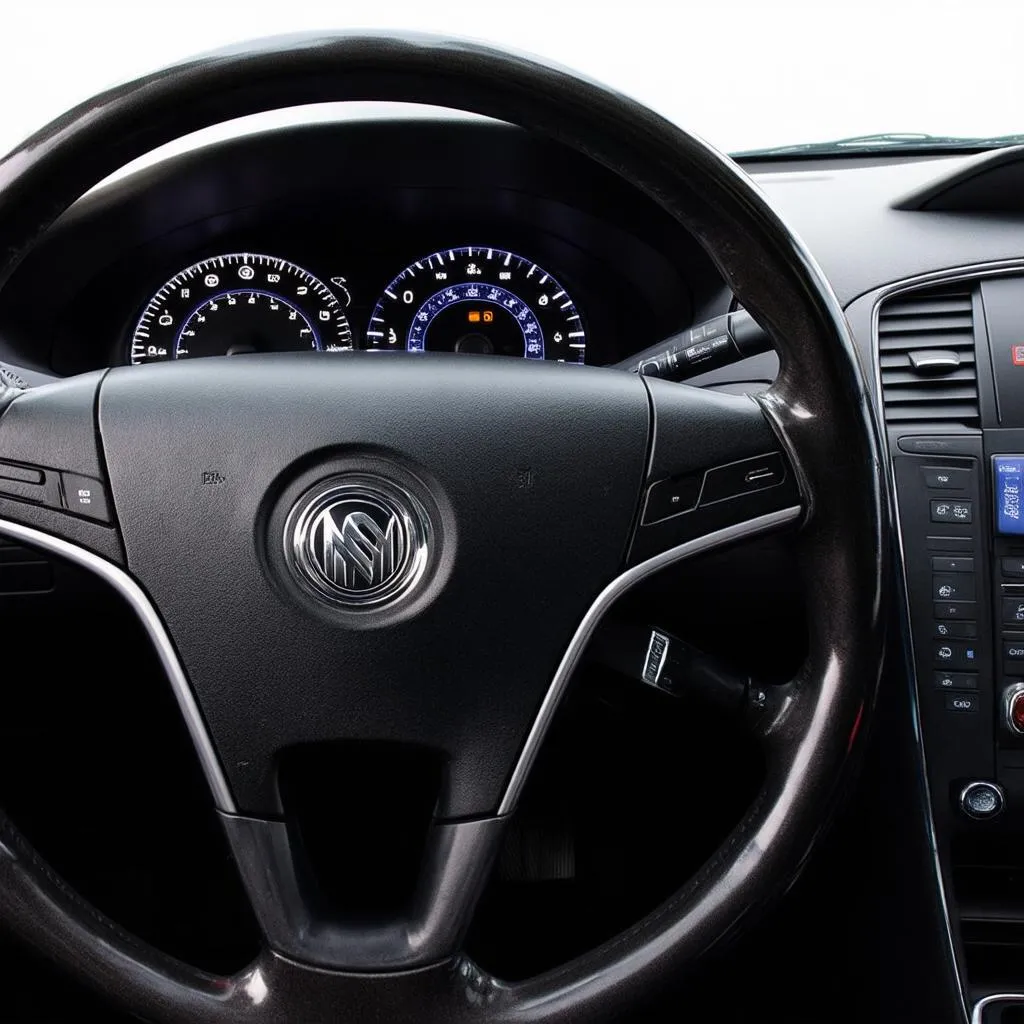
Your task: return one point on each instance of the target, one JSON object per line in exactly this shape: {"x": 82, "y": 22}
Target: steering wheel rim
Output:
{"x": 818, "y": 409}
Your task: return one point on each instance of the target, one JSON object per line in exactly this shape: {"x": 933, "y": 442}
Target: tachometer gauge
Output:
{"x": 478, "y": 299}
{"x": 239, "y": 302}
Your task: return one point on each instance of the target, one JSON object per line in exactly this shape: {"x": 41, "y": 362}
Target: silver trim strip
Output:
{"x": 979, "y": 1007}
{"x": 611, "y": 593}
{"x": 996, "y": 268}
{"x": 151, "y": 622}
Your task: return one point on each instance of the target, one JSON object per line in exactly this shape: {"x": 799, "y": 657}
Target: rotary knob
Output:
{"x": 982, "y": 800}
{"x": 1013, "y": 703}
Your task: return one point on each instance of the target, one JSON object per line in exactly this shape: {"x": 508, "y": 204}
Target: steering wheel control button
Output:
{"x": 962, "y": 703}
{"x": 24, "y": 474}
{"x": 953, "y": 587}
{"x": 29, "y": 483}
{"x": 955, "y": 655}
{"x": 981, "y": 800}
{"x": 358, "y": 541}
{"x": 957, "y": 630}
{"x": 952, "y": 510}
{"x": 669, "y": 498}
{"x": 84, "y": 496}
{"x": 744, "y": 477}
{"x": 956, "y": 680}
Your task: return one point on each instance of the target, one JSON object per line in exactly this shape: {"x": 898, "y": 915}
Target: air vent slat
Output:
{"x": 899, "y": 360}
{"x": 907, "y": 376}
{"x": 929, "y": 307}
{"x": 961, "y": 413}
{"x": 910, "y": 342}
{"x": 906, "y": 395}
{"x": 926, "y": 323}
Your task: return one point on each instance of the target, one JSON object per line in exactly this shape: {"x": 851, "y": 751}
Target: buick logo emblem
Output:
{"x": 357, "y": 541}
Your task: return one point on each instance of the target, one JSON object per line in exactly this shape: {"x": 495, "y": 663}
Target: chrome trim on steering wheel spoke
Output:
{"x": 604, "y": 601}
{"x": 153, "y": 625}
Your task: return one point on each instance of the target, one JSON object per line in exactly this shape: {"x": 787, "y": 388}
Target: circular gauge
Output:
{"x": 478, "y": 299}
{"x": 239, "y": 302}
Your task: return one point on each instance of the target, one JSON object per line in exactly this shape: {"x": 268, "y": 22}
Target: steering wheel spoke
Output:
{"x": 717, "y": 470}
{"x": 456, "y": 863}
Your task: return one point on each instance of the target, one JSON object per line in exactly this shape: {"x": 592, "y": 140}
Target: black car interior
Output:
{"x": 702, "y": 695}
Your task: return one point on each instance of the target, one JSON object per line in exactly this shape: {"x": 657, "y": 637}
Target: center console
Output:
{"x": 950, "y": 359}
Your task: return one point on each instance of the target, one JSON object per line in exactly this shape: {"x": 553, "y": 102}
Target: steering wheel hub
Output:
{"x": 358, "y": 541}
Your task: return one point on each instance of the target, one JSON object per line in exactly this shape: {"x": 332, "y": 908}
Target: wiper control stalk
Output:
{"x": 715, "y": 343}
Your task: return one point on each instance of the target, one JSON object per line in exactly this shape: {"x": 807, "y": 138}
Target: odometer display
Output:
{"x": 237, "y": 303}
{"x": 478, "y": 299}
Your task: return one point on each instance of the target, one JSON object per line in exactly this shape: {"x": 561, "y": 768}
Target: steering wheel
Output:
{"x": 350, "y": 547}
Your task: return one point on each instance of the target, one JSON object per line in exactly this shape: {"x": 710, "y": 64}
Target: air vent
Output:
{"x": 926, "y": 356}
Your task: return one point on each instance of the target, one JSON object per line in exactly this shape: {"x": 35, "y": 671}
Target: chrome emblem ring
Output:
{"x": 358, "y": 541}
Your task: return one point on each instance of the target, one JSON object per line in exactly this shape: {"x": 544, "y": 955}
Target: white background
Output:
{"x": 741, "y": 73}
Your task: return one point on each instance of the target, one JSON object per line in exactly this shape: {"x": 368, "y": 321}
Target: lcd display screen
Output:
{"x": 1009, "y": 478}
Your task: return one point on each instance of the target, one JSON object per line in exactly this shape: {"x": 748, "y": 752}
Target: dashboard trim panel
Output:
{"x": 951, "y": 275}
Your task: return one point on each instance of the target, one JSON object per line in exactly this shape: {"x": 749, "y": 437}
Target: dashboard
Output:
{"x": 381, "y": 236}
{"x": 471, "y": 236}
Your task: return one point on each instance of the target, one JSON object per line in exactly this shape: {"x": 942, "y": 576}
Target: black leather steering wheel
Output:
{"x": 468, "y": 530}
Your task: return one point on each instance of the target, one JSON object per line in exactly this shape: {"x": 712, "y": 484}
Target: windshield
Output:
{"x": 747, "y": 75}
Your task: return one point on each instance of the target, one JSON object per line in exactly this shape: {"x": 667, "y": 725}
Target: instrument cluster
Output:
{"x": 469, "y": 298}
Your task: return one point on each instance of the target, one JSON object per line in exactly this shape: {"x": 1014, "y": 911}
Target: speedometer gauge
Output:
{"x": 239, "y": 302}
{"x": 478, "y": 299}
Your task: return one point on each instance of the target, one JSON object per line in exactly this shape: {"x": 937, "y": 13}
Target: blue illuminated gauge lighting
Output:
{"x": 508, "y": 313}
{"x": 237, "y": 303}
{"x": 478, "y": 299}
